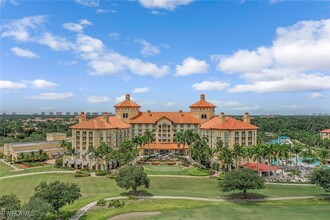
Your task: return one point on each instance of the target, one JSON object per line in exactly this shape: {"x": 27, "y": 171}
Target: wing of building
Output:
{"x": 129, "y": 121}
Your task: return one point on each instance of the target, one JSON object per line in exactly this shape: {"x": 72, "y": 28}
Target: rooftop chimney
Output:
{"x": 247, "y": 118}
{"x": 128, "y": 97}
{"x": 82, "y": 117}
{"x": 202, "y": 97}
{"x": 222, "y": 117}
{"x": 105, "y": 117}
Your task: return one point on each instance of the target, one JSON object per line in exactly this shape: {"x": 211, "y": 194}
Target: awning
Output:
{"x": 79, "y": 162}
{"x": 71, "y": 161}
{"x": 262, "y": 167}
{"x": 85, "y": 163}
{"x": 93, "y": 163}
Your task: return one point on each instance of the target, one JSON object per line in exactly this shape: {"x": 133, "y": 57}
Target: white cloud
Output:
{"x": 23, "y": 52}
{"x": 141, "y": 90}
{"x": 122, "y": 98}
{"x": 147, "y": 49}
{"x": 52, "y": 96}
{"x": 155, "y": 12}
{"x": 170, "y": 104}
{"x": 114, "y": 36}
{"x": 98, "y": 99}
{"x": 191, "y": 66}
{"x": 88, "y": 3}
{"x": 6, "y": 84}
{"x": 56, "y": 43}
{"x": 298, "y": 60}
{"x": 77, "y": 27}
{"x": 208, "y": 86}
{"x": 315, "y": 95}
{"x": 164, "y": 4}
{"x": 23, "y": 29}
{"x": 103, "y": 11}
{"x": 41, "y": 84}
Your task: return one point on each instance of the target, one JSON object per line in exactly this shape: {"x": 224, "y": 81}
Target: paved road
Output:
{"x": 84, "y": 209}
{"x": 12, "y": 166}
{"x": 31, "y": 174}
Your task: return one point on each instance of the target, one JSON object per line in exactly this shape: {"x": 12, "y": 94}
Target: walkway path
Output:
{"x": 84, "y": 209}
{"x": 31, "y": 174}
{"x": 12, "y": 166}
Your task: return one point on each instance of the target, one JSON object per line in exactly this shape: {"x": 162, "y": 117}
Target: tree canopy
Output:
{"x": 132, "y": 177}
{"x": 321, "y": 177}
{"x": 241, "y": 179}
{"x": 58, "y": 194}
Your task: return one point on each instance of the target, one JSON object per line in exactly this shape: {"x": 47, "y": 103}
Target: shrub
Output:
{"x": 111, "y": 175}
{"x": 116, "y": 204}
{"x": 101, "y": 202}
{"x": 131, "y": 198}
{"x": 198, "y": 172}
{"x": 102, "y": 173}
{"x": 59, "y": 162}
{"x": 33, "y": 164}
{"x": 81, "y": 174}
{"x": 155, "y": 163}
{"x": 170, "y": 163}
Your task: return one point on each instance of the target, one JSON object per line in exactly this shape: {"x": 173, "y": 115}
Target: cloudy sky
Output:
{"x": 84, "y": 55}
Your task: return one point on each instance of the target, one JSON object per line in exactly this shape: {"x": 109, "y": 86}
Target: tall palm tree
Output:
{"x": 257, "y": 154}
{"x": 323, "y": 154}
{"x": 238, "y": 152}
{"x": 248, "y": 153}
{"x": 283, "y": 152}
{"x": 296, "y": 149}
{"x": 201, "y": 149}
{"x": 190, "y": 137}
{"x": 179, "y": 139}
{"x": 267, "y": 153}
{"x": 227, "y": 157}
{"x": 148, "y": 138}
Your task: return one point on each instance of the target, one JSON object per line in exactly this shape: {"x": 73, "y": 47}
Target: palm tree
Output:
{"x": 201, "y": 149}
{"x": 217, "y": 150}
{"x": 283, "y": 152}
{"x": 257, "y": 154}
{"x": 238, "y": 152}
{"x": 21, "y": 156}
{"x": 190, "y": 136}
{"x": 268, "y": 151}
{"x": 248, "y": 153}
{"x": 148, "y": 138}
{"x": 296, "y": 149}
{"x": 323, "y": 154}
{"x": 179, "y": 139}
{"x": 227, "y": 157}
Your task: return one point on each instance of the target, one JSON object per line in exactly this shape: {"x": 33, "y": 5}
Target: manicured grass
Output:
{"x": 94, "y": 188}
{"x": 186, "y": 209}
{"x": 174, "y": 170}
{"x": 6, "y": 170}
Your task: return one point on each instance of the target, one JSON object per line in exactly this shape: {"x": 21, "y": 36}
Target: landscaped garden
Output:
{"x": 174, "y": 170}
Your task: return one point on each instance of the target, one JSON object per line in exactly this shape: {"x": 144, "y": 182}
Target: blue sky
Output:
{"x": 264, "y": 57}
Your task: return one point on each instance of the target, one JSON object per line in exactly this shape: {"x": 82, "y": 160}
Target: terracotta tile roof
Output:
{"x": 326, "y": 131}
{"x": 127, "y": 102}
{"x": 262, "y": 167}
{"x": 163, "y": 146}
{"x": 99, "y": 123}
{"x": 175, "y": 117}
{"x": 202, "y": 103}
{"x": 228, "y": 124}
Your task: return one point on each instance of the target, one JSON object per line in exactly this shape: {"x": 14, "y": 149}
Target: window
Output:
{"x": 204, "y": 116}
{"x": 125, "y": 115}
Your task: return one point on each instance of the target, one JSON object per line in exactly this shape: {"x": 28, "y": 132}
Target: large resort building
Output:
{"x": 325, "y": 134}
{"x": 129, "y": 121}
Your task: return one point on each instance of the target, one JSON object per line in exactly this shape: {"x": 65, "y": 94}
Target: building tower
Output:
{"x": 127, "y": 109}
{"x": 202, "y": 109}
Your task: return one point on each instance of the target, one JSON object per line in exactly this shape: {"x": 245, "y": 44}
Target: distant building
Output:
{"x": 58, "y": 113}
{"x": 95, "y": 113}
{"x": 68, "y": 113}
{"x": 51, "y": 147}
{"x": 51, "y": 113}
{"x": 13, "y": 113}
{"x": 325, "y": 134}
{"x": 75, "y": 113}
{"x": 43, "y": 113}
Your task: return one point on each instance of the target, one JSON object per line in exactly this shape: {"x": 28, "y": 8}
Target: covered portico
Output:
{"x": 164, "y": 149}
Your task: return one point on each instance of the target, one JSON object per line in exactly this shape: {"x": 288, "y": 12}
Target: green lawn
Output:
{"x": 94, "y": 188}
{"x": 6, "y": 170}
{"x": 185, "y": 209}
{"x": 173, "y": 170}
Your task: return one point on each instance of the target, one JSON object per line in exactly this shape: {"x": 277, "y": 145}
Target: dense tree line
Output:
{"x": 305, "y": 129}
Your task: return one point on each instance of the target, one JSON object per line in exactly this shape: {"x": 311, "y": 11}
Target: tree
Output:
{"x": 321, "y": 177}
{"x": 179, "y": 139}
{"x": 323, "y": 154}
{"x": 148, "y": 138}
{"x": 241, "y": 179}
{"x": 257, "y": 154}
{"x": 238, "y": 152}
{"x": 226, "y": 156}
{"x": 58, "y": 194}
{"x": 190, "y": 136}
{"x": 296, "y": 149}
{"x": 36, "y": 209}
{"x": 9, "y": 203}
{"x": 132, "y": 177}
